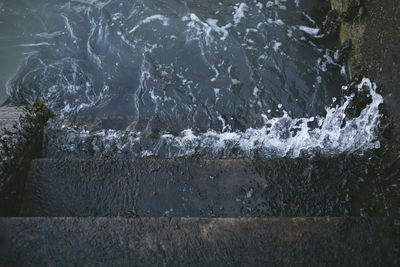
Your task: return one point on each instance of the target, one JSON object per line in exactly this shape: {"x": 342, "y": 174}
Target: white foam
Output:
{"x": 220, "y": 30}
{"x": 69, "y": 27}
{"x": 280, "y": 137}
{"x": 200, "y": 29}
{"x": 309, "y": 30}
{"x": 277, "y": 46}
{"x": 89, "y": 48}
{"x": 47, "y": 35}
{"x": 158, "y": 17}
{"x": 36, "y": 44}
{"x": 239, "y": 13}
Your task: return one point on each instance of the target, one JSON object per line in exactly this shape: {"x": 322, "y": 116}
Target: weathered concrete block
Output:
{"x": 196, "y": 187}
{"x": 197, "y": 242}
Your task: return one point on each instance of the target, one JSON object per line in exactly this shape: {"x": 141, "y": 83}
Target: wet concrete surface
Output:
{"x": 376, "y": 36}
{"x": 206, "y": 188}
{"x": 197, "y": 242}
{"x": 338, "y": 186}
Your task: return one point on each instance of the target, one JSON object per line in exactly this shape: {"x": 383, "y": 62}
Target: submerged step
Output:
{"x": 195, "y": 187}
{"x": 197, "y": 242}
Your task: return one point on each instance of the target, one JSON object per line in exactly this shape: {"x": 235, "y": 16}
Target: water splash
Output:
{"x": 284, "y": 136}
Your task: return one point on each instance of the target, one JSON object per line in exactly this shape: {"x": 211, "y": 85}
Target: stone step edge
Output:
{"x": 337, "y": 241}
{"x": 395, "y": 222}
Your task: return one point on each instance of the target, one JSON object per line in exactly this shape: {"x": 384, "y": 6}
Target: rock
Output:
{"x": 344, "y": 51}
{"x": 331, "y": 24}
{"x": 361, "y": 97}
{"x": 20, "y": 141}
{"x": 353, "y": 11}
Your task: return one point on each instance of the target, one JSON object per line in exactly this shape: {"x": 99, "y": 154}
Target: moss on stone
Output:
{"x": 351, "y": 30}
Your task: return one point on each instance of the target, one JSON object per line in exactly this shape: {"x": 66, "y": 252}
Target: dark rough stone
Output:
{"x": 195, "y": 187}
{"x": 353, "y": 11}
{"x": 361, "y": 99}
{"x": 376, "y": 49}
{"x": 18, "y": 125}
{"x": 197, "y": 242}
{"x": 20, "y": 141}
{"x": 331, "y": 24}
{"x": 344, "y": 51}
{"x": 375, "y": 54}
{"x": 381, "y": 50}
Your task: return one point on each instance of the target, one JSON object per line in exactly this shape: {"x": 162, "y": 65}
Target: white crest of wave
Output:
{"x": 280, "y": 137}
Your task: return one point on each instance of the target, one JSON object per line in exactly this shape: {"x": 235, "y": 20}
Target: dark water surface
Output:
{"x": 196, "y": 64}
{"x": 209, "y": 78}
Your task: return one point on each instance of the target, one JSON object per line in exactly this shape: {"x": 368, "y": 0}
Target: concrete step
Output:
{"x": 195, "y": 187}
{"x": 197, "y": 242}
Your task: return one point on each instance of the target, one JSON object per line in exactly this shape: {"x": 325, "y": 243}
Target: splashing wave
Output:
{"x": 280, "y": 137}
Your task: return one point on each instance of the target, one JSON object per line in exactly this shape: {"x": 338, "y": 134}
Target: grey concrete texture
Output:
{"x": 196, "y": 187}
{"x": 197, "y": 242}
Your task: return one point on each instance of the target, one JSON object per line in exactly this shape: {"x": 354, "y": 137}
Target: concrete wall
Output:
{"x": 376, "y": 46}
